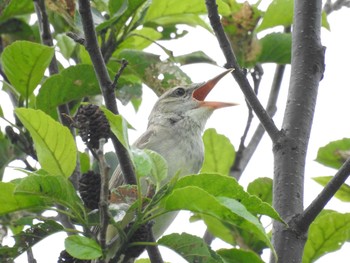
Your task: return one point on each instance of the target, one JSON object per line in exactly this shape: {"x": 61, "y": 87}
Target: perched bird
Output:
{"x": 174, "y": 130}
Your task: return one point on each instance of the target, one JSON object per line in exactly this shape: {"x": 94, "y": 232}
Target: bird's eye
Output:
{"x": 179, "y": 92}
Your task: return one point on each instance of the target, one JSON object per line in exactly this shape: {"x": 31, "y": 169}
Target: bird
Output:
{"x": 175, "y": 127}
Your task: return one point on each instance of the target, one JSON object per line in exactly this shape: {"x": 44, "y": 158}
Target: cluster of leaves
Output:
{"x": 125, "y": 28}
{"x": 243, "y": 22}
{"x": 330, "y": 230}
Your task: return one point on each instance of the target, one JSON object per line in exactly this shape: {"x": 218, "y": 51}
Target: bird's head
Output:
{"x": 187, "y": 102}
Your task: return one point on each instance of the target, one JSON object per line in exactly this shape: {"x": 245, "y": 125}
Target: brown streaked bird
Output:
{"x": 174, "y": 130}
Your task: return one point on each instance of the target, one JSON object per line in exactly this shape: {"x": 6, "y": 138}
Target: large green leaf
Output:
{"x": 11, "y": 202}
{"x": 24, "y": 64}
{"x": 276, "y": 48}
{"x": 224, "y": 186}
{"x": 280, "y": 13}
{"x": 239, "y": 256}
{"x": 342, "y": 194}
{"x": 262, "y": 188}
{"x": 82, "y": 247}
{"x": 228, "y": 211}
{"x": 333, "y": 153}
{"x": 53, "y": 142}
{"x": 9, "y": 9}
{"x": 52, "y": 189}
{"x": 72, "y": 83}
{"x": 158, "y": 75}
{"x": 326, "y": 234}
{"x": 139, "y": 39}
{"x": 192, "y": 248}
{"x": 180, "y": 12}
{"x": 194, "y": 57}
{"x": 219, "y": 153}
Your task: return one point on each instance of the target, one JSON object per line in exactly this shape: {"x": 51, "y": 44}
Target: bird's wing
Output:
{"x": 117, "y": 178}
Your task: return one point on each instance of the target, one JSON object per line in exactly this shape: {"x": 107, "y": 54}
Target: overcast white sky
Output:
{"x": 331, "y": 121}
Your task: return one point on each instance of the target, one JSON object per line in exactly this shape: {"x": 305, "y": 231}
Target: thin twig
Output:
{"x": 104, "y": 193}
{"x": 243, "y": 159}
{"x": 105, "y": 82}
{"x": 256, "y": 75}
{"x": 124, "y": 64}
{"x": 312, "y": 211}
{"x": 329, "y": 7}
{"x": 238, "y": 73}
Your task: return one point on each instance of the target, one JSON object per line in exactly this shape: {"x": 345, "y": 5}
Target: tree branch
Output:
{"x": 46, "y": 39}
{"x": 104, "y": 194}
{"x": 312, "y": 211}
{"x": 63, "y": 109}
{"x": 243, "y": 159}
{"x": 105, "y": 82}
{"x": 307, "y": 69}
{"x": 153, "y": 251}
{"x": 238, "y": 73}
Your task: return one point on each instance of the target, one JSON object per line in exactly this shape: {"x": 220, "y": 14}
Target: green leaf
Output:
{"x": 194, "y": 57}
{"x": 66, "y": 45}
{"x": 8, "y": 152}
{"x": 139, "y": 39}
{"x": 72, "y": 83}
{"x": 262, "y": 188}
{"x": 29, "y": 237}
{"x": 219, "y": 153}
{"x": 16, "y": 28}
{"x": 117, "y": 9}
{"x": 159, "y": 169}
{"x": 11, "y": 202}
{"x": 156, "y": 74}
{"x": 142, "y": 162}
{"x": 279, "y": 12}
{"x": 9, "y": 9}
{"x": 326, "y": 234}
{"x": 229, "y": 212}
{"x": 24, "y": 64}
{"x": 342, "y": 194}
{"x": 84, "y": 162}
{"x": 324, "y": 21}
{"x": 119, "y": 127}
{"x": 224, "y": 186}
{"x": 180, "y": 12}
{"x": 52, "y": 189}
{"x": 191, "y": 248}
{"x": 82, "y": 247}
{"x": 129, "y": 88}
{"x": 238, "y": 256}
{"x": 53, "y": 142}
{"x": 276, "y": 48}
{"x": 334, "y": 153}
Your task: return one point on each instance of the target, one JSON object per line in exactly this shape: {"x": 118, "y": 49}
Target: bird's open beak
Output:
{"x": 202, "y": 91}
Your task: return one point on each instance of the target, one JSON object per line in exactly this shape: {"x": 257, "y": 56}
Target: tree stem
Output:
{"x": 106, "y": 85}
{"x": 290, "y": 150}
